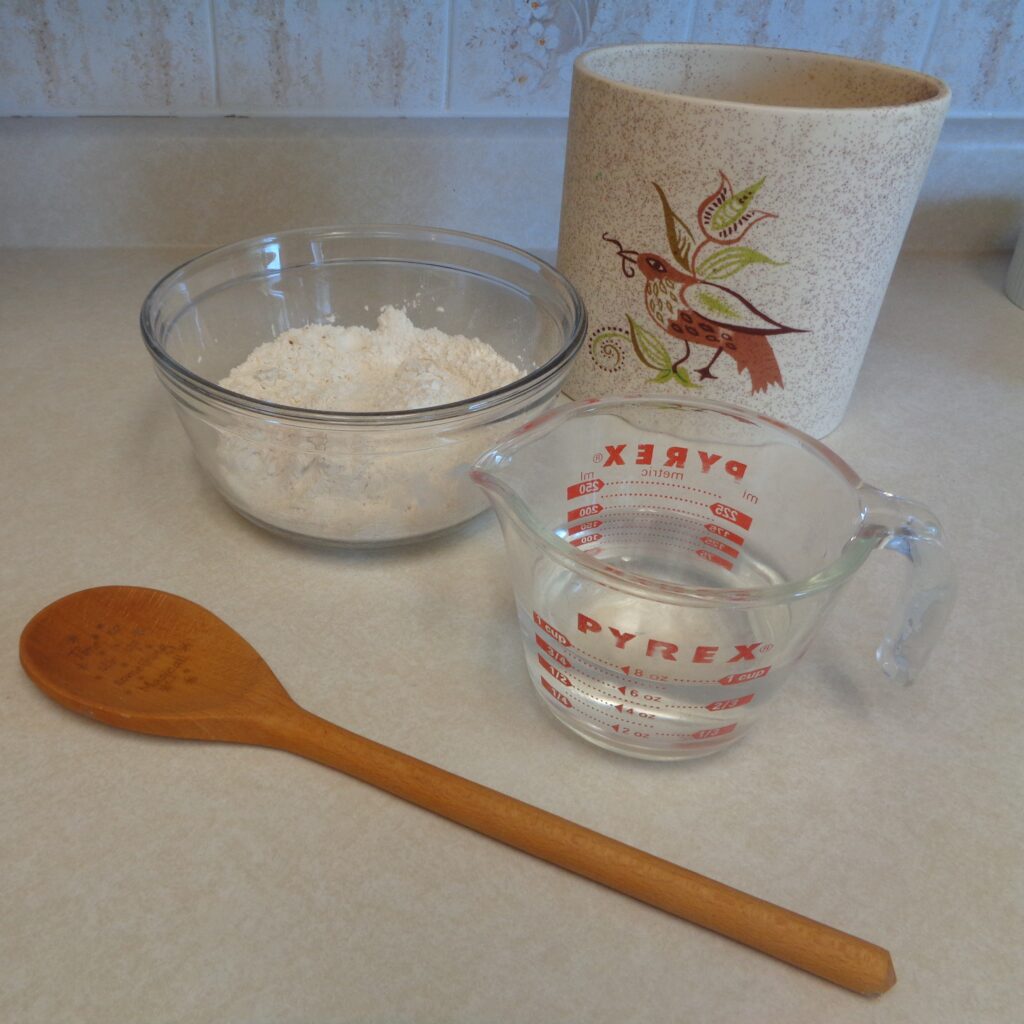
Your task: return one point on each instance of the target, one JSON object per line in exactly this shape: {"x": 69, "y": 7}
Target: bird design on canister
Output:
{"x": 684, "y": 299}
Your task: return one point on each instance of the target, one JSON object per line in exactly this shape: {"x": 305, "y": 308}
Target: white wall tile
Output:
{"x": 330, "y": 56}
{"x": 891, "y": 31}
{"x": 978, "y": 49}
{"x": 516, "y": 56}
{"x": 105, "y": 57}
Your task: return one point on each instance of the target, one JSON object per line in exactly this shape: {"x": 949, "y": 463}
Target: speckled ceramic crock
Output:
{"x": 731, "y": 216}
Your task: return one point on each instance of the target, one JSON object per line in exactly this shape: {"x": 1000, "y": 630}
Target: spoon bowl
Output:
{"x": 148, "y": 661}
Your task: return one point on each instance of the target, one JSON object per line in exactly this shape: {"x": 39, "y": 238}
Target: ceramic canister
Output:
{"x": 731, "y": 216}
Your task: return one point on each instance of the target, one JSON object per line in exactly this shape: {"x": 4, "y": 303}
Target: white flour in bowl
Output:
{"x": 360, "y": 369}
{"x": 355, "y": 484}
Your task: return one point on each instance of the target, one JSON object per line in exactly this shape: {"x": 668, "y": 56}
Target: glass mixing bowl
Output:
{"x": 356, "y": 478}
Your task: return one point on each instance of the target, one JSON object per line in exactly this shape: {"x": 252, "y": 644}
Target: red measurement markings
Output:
{"x": 716, "y": 559}
{"x": 722, "y": 705}
{"x": 560, "y": 697}
{"x": 707, "y": 734}
{"x": 745, "y": 677}
{"x": 630, "y": 732}
{"x": 719, "y": 545}
{"x": 552, "y": 671}
{"x": 555, "y": 634}
{"x": 653, "y": 700}
{"x": 591, "y": 524}
{"x": 624, "y": 709}
{"x": 648, "y": 493}
{"x": 577, "y": 542}
{"x": 582, "y": 488}
{"x": 653, "y": 678}
{"x": 551, "y": 652}
{"x": 585, "y": 510}
{"x": 732, "y": 515}
{"x": 721, "y": 531}
{"x": 638, "y": 694}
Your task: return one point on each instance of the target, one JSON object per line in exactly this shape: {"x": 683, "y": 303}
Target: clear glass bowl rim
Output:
{"x": 509, "y": 393}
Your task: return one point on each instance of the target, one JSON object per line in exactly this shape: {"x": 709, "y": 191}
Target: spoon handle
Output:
{"x": 824, "y": 951}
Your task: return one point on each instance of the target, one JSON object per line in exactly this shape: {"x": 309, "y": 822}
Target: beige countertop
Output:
{"x": 147, "y": 880}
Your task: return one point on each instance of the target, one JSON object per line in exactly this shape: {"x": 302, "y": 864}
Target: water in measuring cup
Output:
{"x": 648, "y": 678}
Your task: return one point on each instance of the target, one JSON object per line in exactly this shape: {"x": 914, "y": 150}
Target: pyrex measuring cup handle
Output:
{"x": 927, "y": 599}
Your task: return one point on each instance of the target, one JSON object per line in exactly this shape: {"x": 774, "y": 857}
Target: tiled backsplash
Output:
{"x": 450, "y": 57}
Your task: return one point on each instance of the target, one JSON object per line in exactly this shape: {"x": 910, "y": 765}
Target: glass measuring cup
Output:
{"x": 672, "y": 559}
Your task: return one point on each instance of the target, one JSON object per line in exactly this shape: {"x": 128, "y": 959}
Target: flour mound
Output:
{"x": 392, "y": 367}
{"x": 354, "y": 485}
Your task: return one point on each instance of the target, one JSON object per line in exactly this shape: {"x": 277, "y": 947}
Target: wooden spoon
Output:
{"x": 151, "y": 662}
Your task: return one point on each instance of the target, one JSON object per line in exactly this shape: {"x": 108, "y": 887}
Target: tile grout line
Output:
{"x": 933, "y": 29}
{"x": 449, "y": 47}
{"x": 214, "y": 56}
{"x": 691, "y": 22}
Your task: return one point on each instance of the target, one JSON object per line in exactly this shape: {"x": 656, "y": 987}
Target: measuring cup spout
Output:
{"x": 910, "y": 529}
{"x": 516, "y": 474}
{"x": 500, "y": 495}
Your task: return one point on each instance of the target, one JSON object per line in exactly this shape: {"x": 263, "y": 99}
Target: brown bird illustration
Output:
{"x": 695, "y": 310}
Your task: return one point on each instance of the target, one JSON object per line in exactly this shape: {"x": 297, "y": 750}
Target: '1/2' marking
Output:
{"x": 552, "y": 671}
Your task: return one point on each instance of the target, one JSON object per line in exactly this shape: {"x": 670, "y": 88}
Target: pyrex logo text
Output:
{"x": 672, "y": 456}
{"x": 703, "y": 654}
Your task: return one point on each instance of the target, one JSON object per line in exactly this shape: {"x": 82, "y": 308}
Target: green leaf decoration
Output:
{"x": 680, "y": 242}
{"x": 649, "y": 350}
{"x": 684, "y": 378}
{"x": 727, "y": 308}
{"x": 726, "y": 262}
{"x": 734, "y": 207}
{"x": 715, "y": 306}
